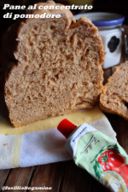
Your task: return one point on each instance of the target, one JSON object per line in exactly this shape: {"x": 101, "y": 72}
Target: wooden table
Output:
{"x": 64, "y": 176}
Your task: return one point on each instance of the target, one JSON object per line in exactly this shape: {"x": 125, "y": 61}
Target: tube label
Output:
{"x": 101, "y": 156}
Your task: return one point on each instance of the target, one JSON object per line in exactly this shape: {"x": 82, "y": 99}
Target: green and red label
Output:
{"x": 101, "y": 156}
{"x": 112, "y": 160}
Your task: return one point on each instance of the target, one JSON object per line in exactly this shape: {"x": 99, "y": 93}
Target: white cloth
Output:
{"x": 40, "y": 146}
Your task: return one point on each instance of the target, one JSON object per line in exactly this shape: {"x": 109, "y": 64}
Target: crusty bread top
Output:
{"x": 65, "y": 12}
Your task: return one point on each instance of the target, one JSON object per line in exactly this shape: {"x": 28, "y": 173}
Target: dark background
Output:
{"x": 117, "y": 6}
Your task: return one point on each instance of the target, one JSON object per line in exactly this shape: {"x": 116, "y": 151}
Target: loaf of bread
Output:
{"x": 114, "y": 98}
{"x": 53, "y": 66}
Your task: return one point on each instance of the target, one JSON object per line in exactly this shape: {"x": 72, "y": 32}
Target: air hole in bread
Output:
{"x": 126, "y": 104}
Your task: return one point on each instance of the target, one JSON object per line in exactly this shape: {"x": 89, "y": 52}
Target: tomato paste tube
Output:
{"x": 98, "y": 154}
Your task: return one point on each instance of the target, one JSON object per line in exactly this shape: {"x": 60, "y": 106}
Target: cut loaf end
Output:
{"x": 114, "y": 98}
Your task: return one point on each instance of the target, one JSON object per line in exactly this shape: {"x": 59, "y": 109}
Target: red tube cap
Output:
{"x": 66, "y": 127}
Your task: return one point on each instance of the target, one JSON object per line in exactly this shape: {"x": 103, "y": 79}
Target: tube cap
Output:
{"x": 66, "y": 127}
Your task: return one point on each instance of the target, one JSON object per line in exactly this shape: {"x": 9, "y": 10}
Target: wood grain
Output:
{"x": 49, "y": 175}
{"x": 78, "y": 180}
{"x": 3, "y": 177}
{"x": 19, "y": 177}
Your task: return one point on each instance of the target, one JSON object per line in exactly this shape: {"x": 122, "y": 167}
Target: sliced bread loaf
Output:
{"x": 114, "y": 98}
{"x": 54, "y": 67}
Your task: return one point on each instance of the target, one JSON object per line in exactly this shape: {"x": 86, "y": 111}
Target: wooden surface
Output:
{"x": 64, "y": 176}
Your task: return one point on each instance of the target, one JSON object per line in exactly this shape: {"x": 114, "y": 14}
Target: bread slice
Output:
{"x": 114, "y": 98}
{"x": 54, "y": 67}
